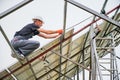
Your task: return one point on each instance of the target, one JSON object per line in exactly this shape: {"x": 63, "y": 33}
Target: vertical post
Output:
{"x": 103, "y": 8}
{"x": 83, "y": 55}
{"x": 62, "y": 36}
{"x": 77, "y": 72}
{"x": 95, "y": 66}
{"x": 92, "y": 73}
{"x": 114, "y": 61}
{"x": 65, "y": 16}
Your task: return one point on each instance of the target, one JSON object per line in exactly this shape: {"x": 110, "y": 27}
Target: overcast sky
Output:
{"x": 52, "y": 13}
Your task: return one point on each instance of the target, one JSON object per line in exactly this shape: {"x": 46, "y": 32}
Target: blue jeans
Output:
{"x": 23, "y": 45}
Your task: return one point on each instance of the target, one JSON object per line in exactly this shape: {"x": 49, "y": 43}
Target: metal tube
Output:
{"x": 32, "y": 70}
{"x": 65, "y": 16}
{"x": 103, "y": 8}
{"x": 60, "y": 58}
{"x": 6, "y": 38}
{"x": 77, "y": 72}
{"x": 14, "y": 8}
{"x": 11, "y": 74}
{"x": 62, "y": 36}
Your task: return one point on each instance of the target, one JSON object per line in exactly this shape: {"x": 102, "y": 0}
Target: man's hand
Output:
{"x": 60, "y": 31}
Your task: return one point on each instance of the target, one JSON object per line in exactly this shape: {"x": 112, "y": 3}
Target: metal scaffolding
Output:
{"x": 69, "y": 57}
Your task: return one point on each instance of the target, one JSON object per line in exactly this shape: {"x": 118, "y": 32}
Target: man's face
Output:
{"x": 39, "y": 23}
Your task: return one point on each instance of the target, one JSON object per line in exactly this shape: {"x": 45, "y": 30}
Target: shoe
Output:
{"x": 18, "y": 55}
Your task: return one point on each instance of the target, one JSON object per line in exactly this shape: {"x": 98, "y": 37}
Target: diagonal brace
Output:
{"x": 94, "y": 12}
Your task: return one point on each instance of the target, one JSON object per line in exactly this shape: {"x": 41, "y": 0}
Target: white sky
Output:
{"x": 51, "y": 11}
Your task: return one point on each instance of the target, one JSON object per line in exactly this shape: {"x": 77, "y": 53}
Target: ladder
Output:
{"x": 102, "y": 67}
{"x": 106, "y": 65}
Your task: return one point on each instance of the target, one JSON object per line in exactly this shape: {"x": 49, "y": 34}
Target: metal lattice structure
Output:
{"x": 66, "y": 57}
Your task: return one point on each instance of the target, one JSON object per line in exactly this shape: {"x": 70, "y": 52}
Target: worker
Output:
{"x": 22, "y": 43}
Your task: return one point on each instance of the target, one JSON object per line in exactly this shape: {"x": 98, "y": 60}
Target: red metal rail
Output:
{"x": 56, "y": 44}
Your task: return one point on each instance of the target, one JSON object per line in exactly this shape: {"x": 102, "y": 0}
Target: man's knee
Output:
{"x": 36, "y": 44}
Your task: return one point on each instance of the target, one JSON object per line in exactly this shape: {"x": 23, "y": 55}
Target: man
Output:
{"x": 21, "y": 43}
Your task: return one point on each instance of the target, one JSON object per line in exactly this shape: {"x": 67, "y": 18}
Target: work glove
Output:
{"x": 60, "y": 31}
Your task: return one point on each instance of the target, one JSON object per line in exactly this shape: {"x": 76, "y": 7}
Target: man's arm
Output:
{"x": 60, "y": 31}
{"x": 48, "y": 36}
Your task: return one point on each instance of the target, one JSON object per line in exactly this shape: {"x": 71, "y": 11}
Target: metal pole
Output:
{"x": 32, "y": 70}
{"x": 11, "y": 74}
{"x": 60, "y": 61}
{"x": 103, "y": 8}
{"x": 83, "y": 55}
{"x": 77, "y": 72}
{"x": 93, "y": 72}
{"x": 115, "y": 61}
{"x": 14, "y": 8}
{"x": 65, "y": 16}
{"x": 6, "y": 38}
{"x": 95, "y": 63}
{"x": 62, "y": 36}
{"x": 94, "y": 12}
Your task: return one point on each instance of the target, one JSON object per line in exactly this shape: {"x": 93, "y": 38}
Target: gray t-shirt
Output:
{"x": 28, "y": 31}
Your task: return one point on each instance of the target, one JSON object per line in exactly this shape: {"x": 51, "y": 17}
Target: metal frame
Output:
{"x": 76, "y": 4}
{"x": 56, "y": 45}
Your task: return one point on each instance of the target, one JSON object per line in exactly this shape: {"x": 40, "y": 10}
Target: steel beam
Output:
{"x": 14, "y": 8}
{"x": 94, "y": 12}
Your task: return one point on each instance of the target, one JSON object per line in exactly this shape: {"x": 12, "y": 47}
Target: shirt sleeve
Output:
{"x": 35, "y": 31}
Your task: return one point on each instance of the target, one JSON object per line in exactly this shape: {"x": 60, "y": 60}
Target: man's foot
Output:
{"x": 18, "y": 55}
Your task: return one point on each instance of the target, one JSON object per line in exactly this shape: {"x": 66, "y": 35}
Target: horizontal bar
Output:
{"x": 105, "y": 38}
{"x": 104, "y": 48}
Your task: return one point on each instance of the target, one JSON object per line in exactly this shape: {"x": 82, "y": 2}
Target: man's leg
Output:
{"x": 24, "y": 47}
{"x": 28, "y": 46}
